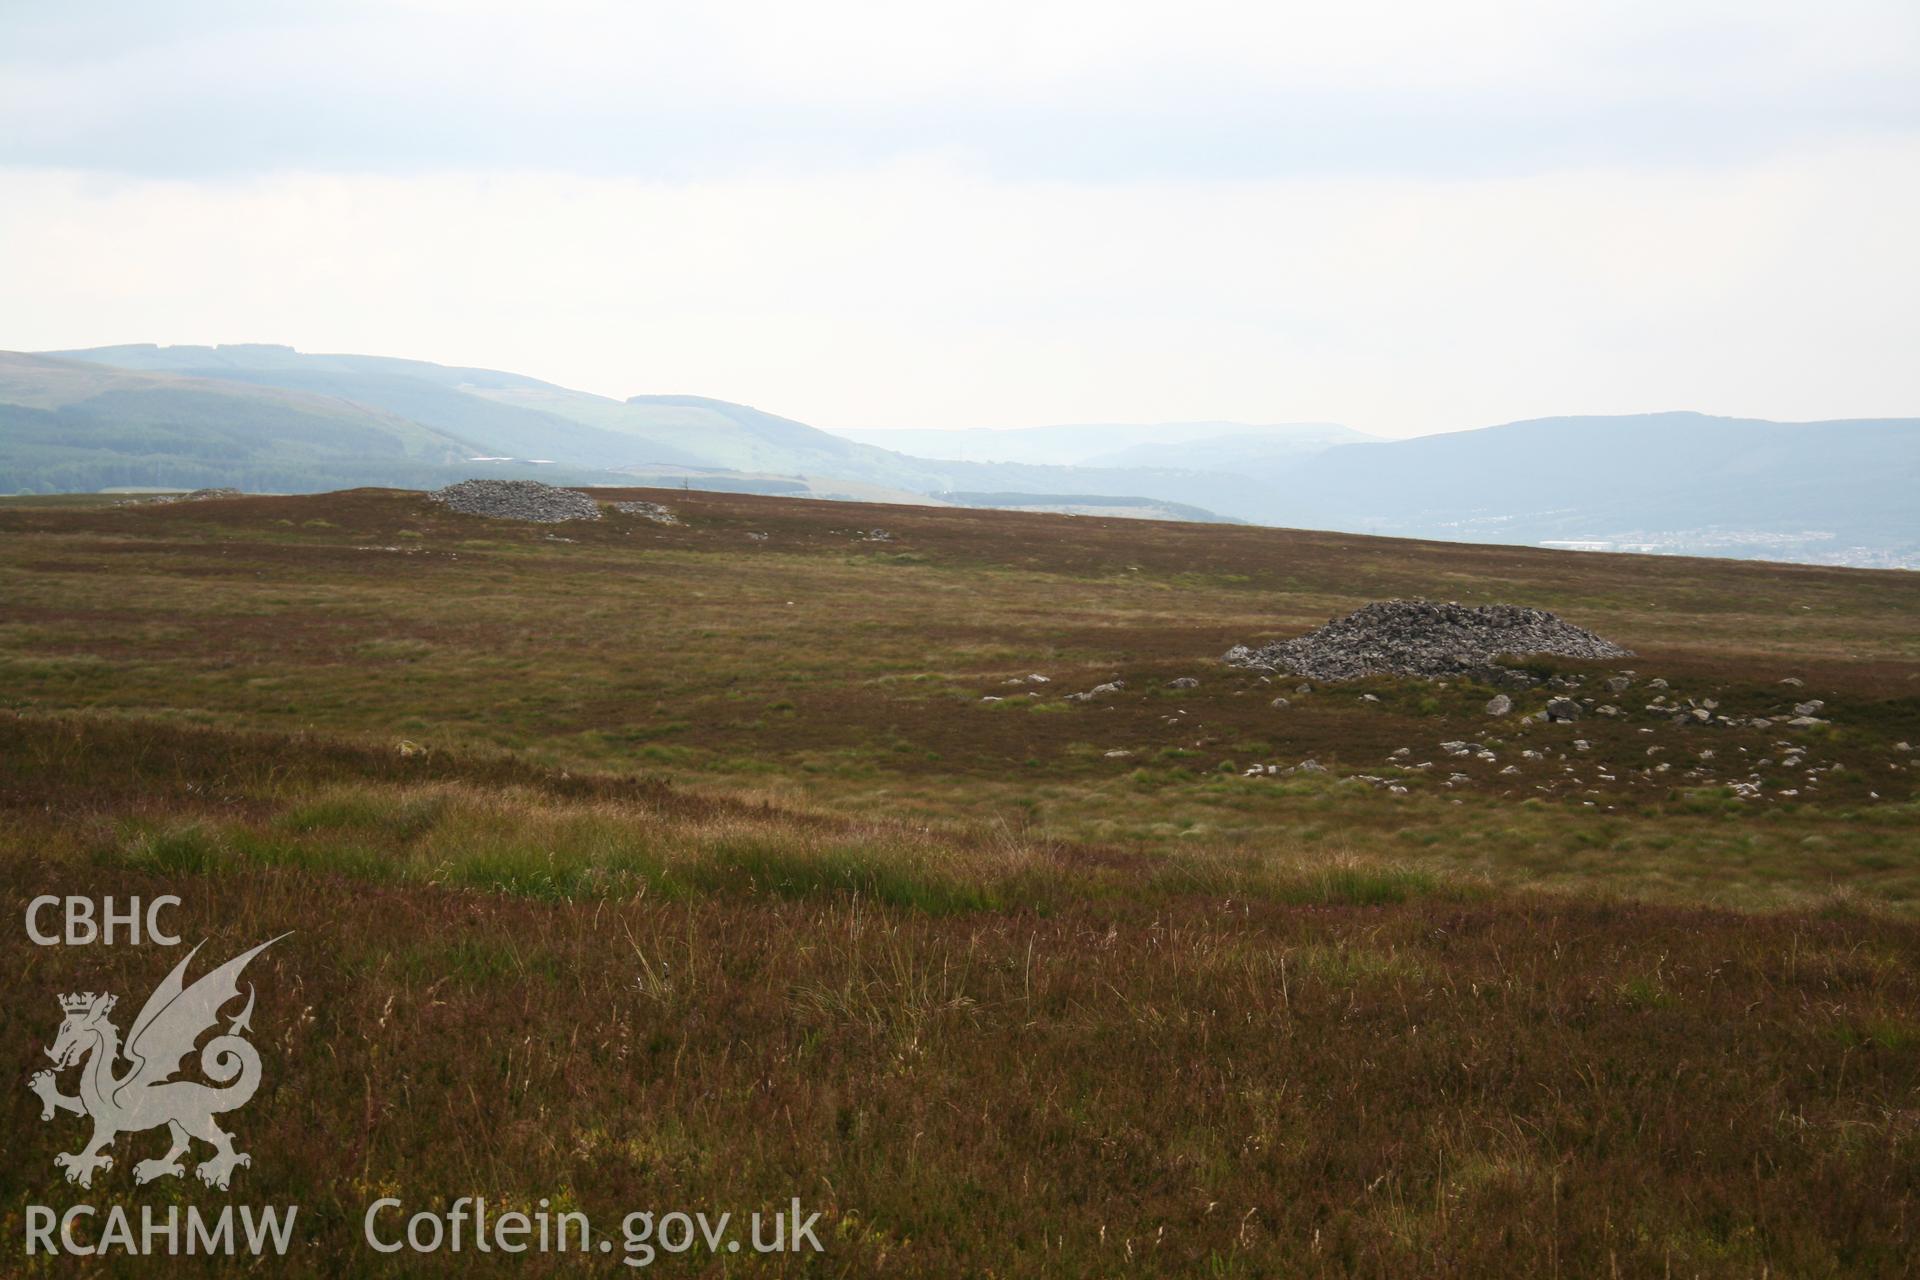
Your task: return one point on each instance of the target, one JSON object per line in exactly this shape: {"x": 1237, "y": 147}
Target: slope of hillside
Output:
{"x": 72, "y": 425}
{"x": 1825, "y": 492}
{"x": 1109, "y": 444}
{"x": 1229, "y": 454}
{"x": 645, "y": 435}
{"x": 1664, "y": 481}
{"x": 502, "y": 413}
{"x": 748, "y": 439}
{"x": 527, "y": 418}
{"x": 1090, "y": 504}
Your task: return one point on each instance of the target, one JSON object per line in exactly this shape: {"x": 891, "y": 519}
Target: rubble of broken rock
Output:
{"x": 1698, "y": 760}
{"x": 517, "y": 500}
{"x": 1594, "y": 772}
{"x": 647, "y": 511}
{"x": 167, "y": 499}
{"x": 1424, "y": 638}
{"x": 1595, "y": 738}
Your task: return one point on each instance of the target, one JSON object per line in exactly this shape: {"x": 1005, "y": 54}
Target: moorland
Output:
{"x": 715, "y": 863}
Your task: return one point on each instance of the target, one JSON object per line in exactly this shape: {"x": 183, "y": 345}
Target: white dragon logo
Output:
{"x": 146, "y": 1096}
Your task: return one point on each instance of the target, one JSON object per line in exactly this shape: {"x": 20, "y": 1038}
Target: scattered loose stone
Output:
{"x": 1183, "y": 682}
{"x": 647, "y": 511}
{"x": 168, "y": 499}
{"x": 1499, "y": 705}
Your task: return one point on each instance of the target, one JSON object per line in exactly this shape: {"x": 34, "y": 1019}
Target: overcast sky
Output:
{"x": 1404, "y": 216}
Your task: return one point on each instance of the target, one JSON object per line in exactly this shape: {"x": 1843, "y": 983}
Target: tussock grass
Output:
{"x": 1169, "y": 1084}
{"x": 525, "y": 842}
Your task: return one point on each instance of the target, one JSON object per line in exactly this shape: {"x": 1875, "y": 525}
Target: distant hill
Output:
{"x": 1118, "y": 444}
{"x": 1089, "y": 504}
{"x": 526, "y": 418}
{"x": 1227, "y": 454}
{"x": 75, "y": 425}
{"x": 1837, "y": 491}
{"x": 271, "y": 418}
{"x": 497, "y": 414}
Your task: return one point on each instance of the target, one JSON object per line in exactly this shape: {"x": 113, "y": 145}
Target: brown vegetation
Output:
{"x": 705, "y": 879}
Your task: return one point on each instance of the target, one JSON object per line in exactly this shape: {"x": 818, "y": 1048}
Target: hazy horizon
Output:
{"x": 1406, "y": 219}
{"x": 1225, "y": 426}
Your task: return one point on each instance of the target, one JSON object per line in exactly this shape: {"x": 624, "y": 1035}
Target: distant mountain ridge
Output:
{"x": 591, "y": 438}
{"x": 1083, "y": 504}
{"x": 527, "y": 418}
{"x": 1669, "y": 481}
{"x": 1110, "y": 444}
{"x": 74, "y": 424}
{"x": 270, "y": 418}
